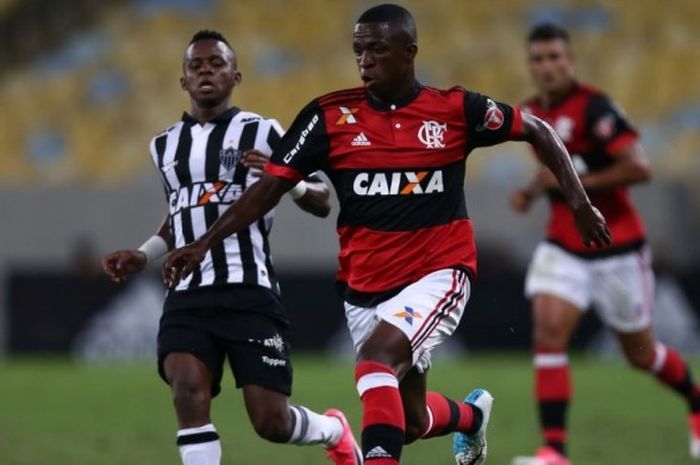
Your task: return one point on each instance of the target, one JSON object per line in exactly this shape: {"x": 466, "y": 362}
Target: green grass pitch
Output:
{"x": 63, "y": 413}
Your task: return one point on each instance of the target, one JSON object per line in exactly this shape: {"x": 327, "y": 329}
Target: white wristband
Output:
{"x": 154, "y": 248}
{"x": 299, "y": 190}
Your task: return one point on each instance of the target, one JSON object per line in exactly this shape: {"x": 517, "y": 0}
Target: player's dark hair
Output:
{"x": 548, "y": 31}
{"x": 390, "y": 13}
{"x": 207, "y": 34}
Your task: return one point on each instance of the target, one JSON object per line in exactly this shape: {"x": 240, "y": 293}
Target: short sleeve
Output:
{"x": 274, "y": 134}
{"x": 304, "y": 147}
{"x": 607, "y": 124}
{"x": 490, "y": 122}
{"x": 152, "y": 151}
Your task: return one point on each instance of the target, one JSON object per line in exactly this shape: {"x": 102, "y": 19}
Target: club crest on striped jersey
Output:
{"x": 408, "y": 315}
{"x": 398, "y": 183}
{"x": 432, "y": 134}
{"x": 229, "y": 157}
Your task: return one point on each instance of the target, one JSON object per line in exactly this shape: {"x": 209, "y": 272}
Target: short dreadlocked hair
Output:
{"x": 206, "y": 34}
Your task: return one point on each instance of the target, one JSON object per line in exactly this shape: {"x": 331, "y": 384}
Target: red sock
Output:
{"x": 553, "y": 394}
{"x": 672, "y": 371}
{"x": 383, "y": 419}
{"x": 446, "y": 416}
{"x": 694, "y": 420}
{"x": 668, "y": 365}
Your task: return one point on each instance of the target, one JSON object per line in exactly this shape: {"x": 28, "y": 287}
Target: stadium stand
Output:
{"x": 106, "y": 89}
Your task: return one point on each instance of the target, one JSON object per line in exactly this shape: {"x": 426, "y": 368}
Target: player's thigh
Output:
{"x": 560, "y": 286}
{"x": 188, "y": 356}
{"x": 419, "y": 318}
{"x": 413, "y": 392}
{"x": 555, "y": 272}
{"x": 261, "y": 359}
{"x": 624, "y": 294}
{"x": 554, "y": 321}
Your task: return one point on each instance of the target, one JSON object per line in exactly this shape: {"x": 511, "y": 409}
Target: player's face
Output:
{"x": 551, "y": 65}
{"x": 209, "y": 73}
{"x": 382, "y": 59}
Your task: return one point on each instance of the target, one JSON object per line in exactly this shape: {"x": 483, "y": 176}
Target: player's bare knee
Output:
{"x": 188, "y": 395}
{"x": 272, "y": 426}
{"x": 550, "y": 336}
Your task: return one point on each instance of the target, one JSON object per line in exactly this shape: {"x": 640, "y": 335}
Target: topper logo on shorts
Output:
{"x": 273, "y": 362}
{"x": 401, "y": 183}
{"x": 202, "y": 193}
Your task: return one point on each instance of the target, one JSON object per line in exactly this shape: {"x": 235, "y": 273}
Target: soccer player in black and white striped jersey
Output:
{"x": 229, "y": 306}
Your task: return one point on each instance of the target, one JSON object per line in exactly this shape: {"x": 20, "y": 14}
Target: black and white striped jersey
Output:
{"x": 202, "y": 176}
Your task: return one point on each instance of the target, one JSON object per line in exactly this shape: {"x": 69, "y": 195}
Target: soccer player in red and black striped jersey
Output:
{"x": 395, "y": 151}
{"x": 564, "y": 278}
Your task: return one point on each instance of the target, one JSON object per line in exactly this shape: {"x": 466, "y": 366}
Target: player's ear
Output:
{"x": 237, "y": 77}
{"x": 183, "y": 84}
{"x": 411, "y": 51}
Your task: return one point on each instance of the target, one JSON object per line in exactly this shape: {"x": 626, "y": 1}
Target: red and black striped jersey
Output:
{"x": 594, "y": 129}
{"x": 398, "y": 172}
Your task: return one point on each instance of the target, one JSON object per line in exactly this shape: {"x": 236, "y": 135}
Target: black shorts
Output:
{"x": 244, "y": 323}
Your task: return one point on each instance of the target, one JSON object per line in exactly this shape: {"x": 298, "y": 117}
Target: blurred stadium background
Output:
{"x": 84, "y": 84}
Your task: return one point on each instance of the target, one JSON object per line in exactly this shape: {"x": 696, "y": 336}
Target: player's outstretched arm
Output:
{"x": 590, "y": 223}
{"x": 630, "y": 166}
{"x": 255, "y": 202}
{"x": 122, "y": 263}
{"x": 521, "y": 199}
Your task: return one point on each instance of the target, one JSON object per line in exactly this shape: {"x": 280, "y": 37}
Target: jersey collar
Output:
{"x": 572, "y": 90}
{"x": 382, "y": 106}
{"x": 223, "y": 117}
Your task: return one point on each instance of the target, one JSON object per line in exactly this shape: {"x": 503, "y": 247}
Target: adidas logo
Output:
{"x": 377, "y": 452}
{"x": 360, "y": 140}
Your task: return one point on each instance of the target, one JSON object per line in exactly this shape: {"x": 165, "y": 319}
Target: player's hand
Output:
{"x": 255, "y": 160}
{"x": 118, "y": 265}
{"x": 181, "y": 262}
{"x": 522, "y": 199}
{"x": 546, "y": 179}
{"x": 592, "y": 226}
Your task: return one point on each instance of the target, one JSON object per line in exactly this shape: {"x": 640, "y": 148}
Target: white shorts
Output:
{"x": 620, "y": 287}
{"x": 427, "y": 312}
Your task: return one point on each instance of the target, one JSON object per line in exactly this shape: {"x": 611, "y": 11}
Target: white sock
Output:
{"x": 199, "y": 446}
{"x": 312, "y": 428}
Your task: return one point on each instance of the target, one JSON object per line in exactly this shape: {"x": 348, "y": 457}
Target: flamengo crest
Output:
{"x": 432, "y": 134}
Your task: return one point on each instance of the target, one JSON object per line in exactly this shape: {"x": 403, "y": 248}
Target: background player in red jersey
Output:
{"x": 395, "y": 152}
{"x": 232, "y": 310}
{"x": 564, "y": 278}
